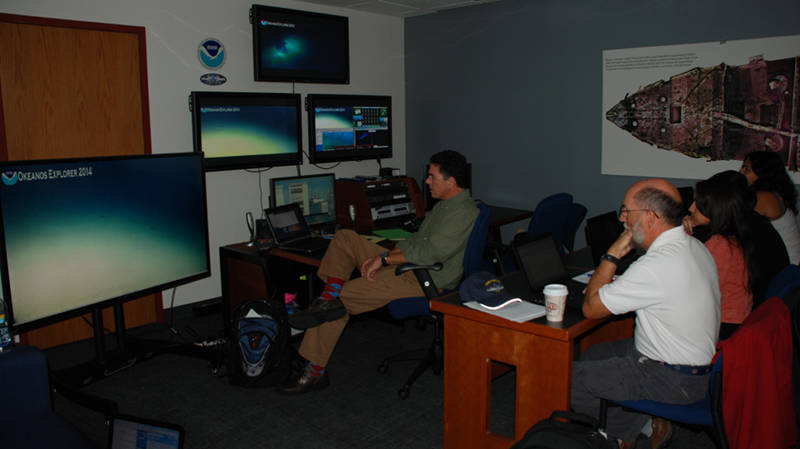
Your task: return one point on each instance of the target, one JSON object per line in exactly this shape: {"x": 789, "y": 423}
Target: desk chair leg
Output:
{"x": 430, "y": 358}
{"x": 602, "y": 414}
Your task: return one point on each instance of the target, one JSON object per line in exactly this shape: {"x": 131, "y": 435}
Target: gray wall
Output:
{"x": 517, "y": 85}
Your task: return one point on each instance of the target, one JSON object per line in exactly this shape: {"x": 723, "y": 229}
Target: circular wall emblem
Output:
{"x": 211, "y": 53}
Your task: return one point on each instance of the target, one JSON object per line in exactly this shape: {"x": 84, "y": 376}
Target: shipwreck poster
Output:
{"x": 689, "y": 111}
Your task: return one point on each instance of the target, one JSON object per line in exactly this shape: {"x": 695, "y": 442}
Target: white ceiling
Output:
{"x": 401, "y": 8}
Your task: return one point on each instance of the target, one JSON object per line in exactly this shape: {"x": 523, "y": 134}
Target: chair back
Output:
{"x": 577, "y": 212}
{"x": 476, "y": 245}
{"x": 550, "y": 216}
{"x": 785, "y": 281}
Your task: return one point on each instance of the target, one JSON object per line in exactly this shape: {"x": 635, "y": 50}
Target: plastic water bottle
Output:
{"x": 5, "y": 335}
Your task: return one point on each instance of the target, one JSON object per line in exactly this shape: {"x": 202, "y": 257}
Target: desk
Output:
{"x": 245, "y": 275}
{"x": 499, "y": 216}
{"x": 542, "y": 353}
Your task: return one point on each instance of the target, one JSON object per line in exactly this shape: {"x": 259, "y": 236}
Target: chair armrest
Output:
{"x": 423, "y": 277}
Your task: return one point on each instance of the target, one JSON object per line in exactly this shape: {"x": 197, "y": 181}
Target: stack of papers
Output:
{"x": 520, "y": 311}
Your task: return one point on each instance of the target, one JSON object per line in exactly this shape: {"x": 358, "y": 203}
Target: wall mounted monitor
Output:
{"x": 299, "y": 46}
{"x": 246, "y": 130}
{"x": 316, "y": 195}
{"x": 80, "y": 233}
{"x": 349, "y": 127}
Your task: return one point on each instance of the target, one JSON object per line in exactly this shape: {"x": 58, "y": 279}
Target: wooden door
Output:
{"x": 74, "y": 89}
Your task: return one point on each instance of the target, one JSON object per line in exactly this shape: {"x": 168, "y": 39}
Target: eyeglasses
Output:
{"x": 624, "y": 211}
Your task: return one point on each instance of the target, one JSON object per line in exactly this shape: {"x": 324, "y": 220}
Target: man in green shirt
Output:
{"x": 442, "y": 237}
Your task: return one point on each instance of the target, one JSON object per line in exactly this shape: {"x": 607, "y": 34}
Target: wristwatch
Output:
{"x": 384, "y": 257}
{"x": 610, "y": 258}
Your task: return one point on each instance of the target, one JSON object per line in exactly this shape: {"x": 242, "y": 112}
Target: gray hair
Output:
{"x": 662, "y": 204}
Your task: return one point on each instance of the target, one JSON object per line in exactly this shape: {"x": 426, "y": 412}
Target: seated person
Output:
{"x": 776, "y": 196}
{"x": 674, "y": 290}
{"x": 442, "y": 237}
{"x": 747, "y": 250}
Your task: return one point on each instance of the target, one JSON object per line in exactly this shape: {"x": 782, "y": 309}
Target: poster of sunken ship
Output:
{"x": 719, "y": 113}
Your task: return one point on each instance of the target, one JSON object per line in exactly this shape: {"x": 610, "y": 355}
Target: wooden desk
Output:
{"x": 542, "y": 353}
{"x": 499, "y": 216}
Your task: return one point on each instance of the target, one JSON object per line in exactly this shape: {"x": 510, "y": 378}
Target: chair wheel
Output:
{"x": 404, "y": 392}
{"x": 383, "y": 367}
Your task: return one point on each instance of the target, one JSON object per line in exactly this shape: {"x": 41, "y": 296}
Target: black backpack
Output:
{"x": 258, "y": 348}
{"x": 578, "y": 432}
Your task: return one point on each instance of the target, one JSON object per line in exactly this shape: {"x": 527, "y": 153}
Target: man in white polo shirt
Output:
{"x": 674, "y": 290}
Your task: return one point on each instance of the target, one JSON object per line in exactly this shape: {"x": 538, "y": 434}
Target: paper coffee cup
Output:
{"x": 555, "y": 301}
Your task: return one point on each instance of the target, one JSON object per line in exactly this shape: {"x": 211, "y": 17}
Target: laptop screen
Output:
{"x": 129, "y": 432}
{"x": 287, "y": 223}
{"x": 540, "y": 261}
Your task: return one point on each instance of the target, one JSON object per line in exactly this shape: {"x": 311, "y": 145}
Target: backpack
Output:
{"x": 258, "y": 348}
{"x": 578, "y": 432}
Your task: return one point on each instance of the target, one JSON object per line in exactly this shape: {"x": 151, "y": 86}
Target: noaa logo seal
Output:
{"x": 211, "y": 53}
{"x": 213, "y": 79}
{"x": 10, "y": 178}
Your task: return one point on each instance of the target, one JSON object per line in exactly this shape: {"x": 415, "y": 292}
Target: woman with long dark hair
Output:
{"x": 747, "y": 249}
{"x": 776, "y": 196}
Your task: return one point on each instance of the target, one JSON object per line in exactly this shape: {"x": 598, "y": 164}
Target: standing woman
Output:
{"x": 776, "y": 196}
{"x": 747, "y": 249}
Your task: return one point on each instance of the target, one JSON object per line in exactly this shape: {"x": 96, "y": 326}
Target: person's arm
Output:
{"x": 768, "y": 204}
{"x": 593, "y": 306}
{"x": 371, "y": 266}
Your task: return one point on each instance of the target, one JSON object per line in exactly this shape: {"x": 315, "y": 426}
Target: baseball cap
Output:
{"x": 487, "y": 290}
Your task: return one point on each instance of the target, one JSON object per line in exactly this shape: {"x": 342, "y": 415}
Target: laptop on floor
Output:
{"x": 541, "y": 263}
{"x": 131, "y": 432}
{"x": 290, "y": 230}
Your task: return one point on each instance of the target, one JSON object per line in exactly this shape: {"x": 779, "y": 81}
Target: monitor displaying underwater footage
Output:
{"x": 316, "y": 195}
{"x": 349, "y": 127}
{"x": 300, "y": 46}
{"x": 236, "y": 130}
{"x": 78, "y": 233}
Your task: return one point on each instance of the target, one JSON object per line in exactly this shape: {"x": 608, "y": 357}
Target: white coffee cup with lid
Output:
{"x": 555, "y": 301}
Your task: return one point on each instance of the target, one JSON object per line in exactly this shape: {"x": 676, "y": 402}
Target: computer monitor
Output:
{"x": 300, "y": 46}
{"x": 349, "y": 127}
{"x": 237, "y": 130}
{"x": 316, "y": 195}
{"x": 82, "y": 233}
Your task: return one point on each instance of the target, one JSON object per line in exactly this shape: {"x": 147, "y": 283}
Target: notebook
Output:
{"x": 131, "y": 432}
{"x": 290, "y": 230}
{"x": 541, "y": 263}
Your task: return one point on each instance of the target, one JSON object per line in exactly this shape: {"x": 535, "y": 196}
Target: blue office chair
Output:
{"x": 419, "y": 307}
{"x": 706, "y": 413}
{"x": 577, "y": 212}
{"x": 26, "y": 410}
{"x": 782, "y": 284}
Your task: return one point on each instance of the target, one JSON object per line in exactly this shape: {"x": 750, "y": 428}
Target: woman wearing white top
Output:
{"x": 776, "y": 196}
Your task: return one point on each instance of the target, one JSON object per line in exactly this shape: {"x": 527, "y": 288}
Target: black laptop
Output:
{"x": 541, "y": 263}
{"x": 290, "y": 230}
{"x": 131, "y": 432}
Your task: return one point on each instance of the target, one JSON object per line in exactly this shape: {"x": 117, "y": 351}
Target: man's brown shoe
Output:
{"x": 662, "y": 433}
{"x": 305, "y": 383}
{"x": 320, "y": 311}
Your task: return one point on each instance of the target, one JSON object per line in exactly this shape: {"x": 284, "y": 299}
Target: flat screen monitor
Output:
{"x": 237, "y": 130}
{"x": 349, "y": 127}
{"x": 316, "y": 195}
{"x": 299, "y": 46}
{"x": 79, "y": 233}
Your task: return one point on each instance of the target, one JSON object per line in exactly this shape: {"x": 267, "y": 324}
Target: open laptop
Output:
{"x": 541, "y": 263}
{"x": 131, "y": 432}
{"x": 290, "y": 230}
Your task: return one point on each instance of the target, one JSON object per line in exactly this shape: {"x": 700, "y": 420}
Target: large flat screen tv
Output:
{"x": 81, "y": 233}
{"x": 349, "y": 127}
{"x": 316, "y": 195}
{"x": 237, "y": 130}
{"x": 299, "y": 46}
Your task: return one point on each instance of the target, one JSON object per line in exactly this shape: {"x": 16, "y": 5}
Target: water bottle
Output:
{"x": 5, "y": 335}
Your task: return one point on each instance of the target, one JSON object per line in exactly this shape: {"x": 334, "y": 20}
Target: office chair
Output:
{"x": 416, "y": 307}
{"x": 577, "y": 212}
{"x": 26, "y": 410}
{"x": 706, "y": 413}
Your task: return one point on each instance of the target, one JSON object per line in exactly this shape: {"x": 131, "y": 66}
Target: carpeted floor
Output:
{"x": 361, "y": 409}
